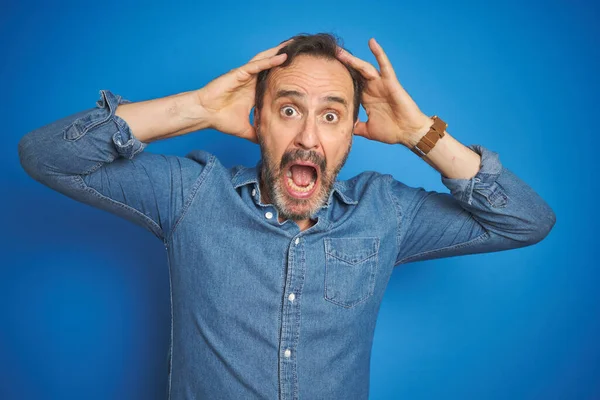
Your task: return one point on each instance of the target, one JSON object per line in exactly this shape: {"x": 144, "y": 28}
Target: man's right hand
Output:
{"x": 228, "y": 100}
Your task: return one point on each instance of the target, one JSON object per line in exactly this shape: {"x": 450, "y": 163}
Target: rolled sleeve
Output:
{"x": 80, "y": 143}
{"x": 484, "y": 182}
{"x": 125, "y": 142}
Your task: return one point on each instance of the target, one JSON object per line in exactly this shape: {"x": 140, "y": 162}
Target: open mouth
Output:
{"x": 301, "y": 179}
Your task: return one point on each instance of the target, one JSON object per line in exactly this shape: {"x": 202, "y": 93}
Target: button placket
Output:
{"x": 292, "y": 296}
{"x": 294, "y": 282}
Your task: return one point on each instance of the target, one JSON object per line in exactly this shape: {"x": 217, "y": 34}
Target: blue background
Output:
{"x": 84, "y": 303}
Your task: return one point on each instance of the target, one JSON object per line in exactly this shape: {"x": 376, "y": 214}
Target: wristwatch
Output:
{"x": 435, "y": 133}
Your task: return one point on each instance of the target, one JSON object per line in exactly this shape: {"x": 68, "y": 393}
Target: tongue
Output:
{"x": 302, "y": 175}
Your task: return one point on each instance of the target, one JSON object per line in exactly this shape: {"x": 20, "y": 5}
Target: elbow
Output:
{"x": 29, "y": 156}
{"x": 36, "y": 152}
{"x": 540, "y": 226}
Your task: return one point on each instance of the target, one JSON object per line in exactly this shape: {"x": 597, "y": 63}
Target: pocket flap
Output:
{"x": 352, "y": 250}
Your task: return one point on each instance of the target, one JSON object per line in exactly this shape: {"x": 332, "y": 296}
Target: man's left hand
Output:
{"x": 393, "y": 116}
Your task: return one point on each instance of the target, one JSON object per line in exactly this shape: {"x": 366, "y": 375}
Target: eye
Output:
{"x": 331, "y": 117}
{"x": 289, "y": 111}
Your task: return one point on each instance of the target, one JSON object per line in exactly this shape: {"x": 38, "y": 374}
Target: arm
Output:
{"x": 93, "y": 157}
{"x": 164, "y": 118}
{"x": 97, "y": 156}
{"x": 490, "y": 208}
{"x": 491, "y": 211}
{"x": 449, "y": 157}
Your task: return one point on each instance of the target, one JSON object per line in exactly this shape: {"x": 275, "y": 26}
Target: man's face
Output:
{"x": 305, "y": 132}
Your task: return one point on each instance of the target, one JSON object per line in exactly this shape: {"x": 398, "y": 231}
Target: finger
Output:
{"x": 365, "y": 69}
{"x": 361, "y": 129}
{"x": 270, "y": 52}
{"x": 385, "y": 66}
{"x": 254, "y": 67}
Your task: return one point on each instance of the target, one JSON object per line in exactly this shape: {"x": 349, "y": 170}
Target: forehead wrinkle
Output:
{"x": 310, "y": 72}
{"x": 296, "y": 94}
{"x": 303, "y": 78}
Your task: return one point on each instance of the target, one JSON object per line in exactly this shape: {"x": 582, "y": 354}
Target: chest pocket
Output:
{"x": 350, "y": 269}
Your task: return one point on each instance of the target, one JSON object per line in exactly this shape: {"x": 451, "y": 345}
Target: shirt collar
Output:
{"x": 246, "y": 176}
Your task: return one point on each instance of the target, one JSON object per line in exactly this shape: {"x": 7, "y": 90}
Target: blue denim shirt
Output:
{"x": 259, "y": 308}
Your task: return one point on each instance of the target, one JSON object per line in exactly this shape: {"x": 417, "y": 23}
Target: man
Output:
{"x": 277, "y": 271}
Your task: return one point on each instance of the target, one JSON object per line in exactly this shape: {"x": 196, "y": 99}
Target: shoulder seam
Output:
{"x": 201, "y": 178}
{"x": 397, "y": 212}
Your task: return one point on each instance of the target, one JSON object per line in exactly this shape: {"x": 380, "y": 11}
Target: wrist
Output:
{"x": 417, "y": 134}
{"x": 193, "y": 111}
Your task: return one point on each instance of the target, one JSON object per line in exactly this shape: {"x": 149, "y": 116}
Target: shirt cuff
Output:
{"x": 484, "y": 182}
{"x": 126, "y": 144}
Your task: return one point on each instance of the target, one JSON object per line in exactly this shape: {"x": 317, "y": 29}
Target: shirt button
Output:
{"x": 287, "y": 353}
{"x": 297, "y": 240}
{"x": 269, "y": 214}
{"x": 291, "y": 297}
{"x": 253, "y": 192}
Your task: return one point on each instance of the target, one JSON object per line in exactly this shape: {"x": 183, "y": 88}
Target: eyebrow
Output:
{"x": 295, "y": 93}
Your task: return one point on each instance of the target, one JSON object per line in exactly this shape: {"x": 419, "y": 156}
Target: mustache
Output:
{"x": 303, "y": 155}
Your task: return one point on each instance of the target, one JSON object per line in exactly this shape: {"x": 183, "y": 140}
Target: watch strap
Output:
{"x": 427, "y": 142}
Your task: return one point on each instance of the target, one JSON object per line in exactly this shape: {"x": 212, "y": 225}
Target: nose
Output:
{"x": 308, "y": 137}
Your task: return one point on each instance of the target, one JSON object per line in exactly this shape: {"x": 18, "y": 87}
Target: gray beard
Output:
{"x": 271, "y": 174}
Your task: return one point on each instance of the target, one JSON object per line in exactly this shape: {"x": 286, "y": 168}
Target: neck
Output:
{"x": 302, "y": 224}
